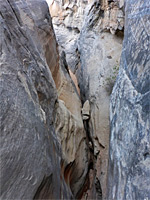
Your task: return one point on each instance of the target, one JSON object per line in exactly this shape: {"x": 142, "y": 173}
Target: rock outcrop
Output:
{"x": 71, "y": 133}
{"x": 129, "y": 165}
{"x": 91, "y": 33}
{"x": 42, "y": 132}
{"x": 30, "y": 152}
{"x": 100, "y": 52}
{"x": 55, "y": 96}
{"x": 67, "y": 20}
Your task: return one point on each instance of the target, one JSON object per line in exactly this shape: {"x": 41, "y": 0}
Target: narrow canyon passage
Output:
{"x": 75, "y": 99}
{"x": 90, "y": 33}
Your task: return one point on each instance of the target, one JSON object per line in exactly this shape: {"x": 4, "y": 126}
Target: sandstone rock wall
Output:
{"x": 29, "y": 146}
{"x": 100, "y": 52}
{"x": 91, "y": 33}
{"x": 129, "y": 165}
{"x": 41, "y": 137}
{"x": 71, "y": 133}
{"x": 54, "y": 100}
{"x": 43, "y": 145}
{"x": 67, "y": 17}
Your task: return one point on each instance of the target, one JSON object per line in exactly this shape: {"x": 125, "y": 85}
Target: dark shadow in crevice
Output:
{"x": 45, "y": 189}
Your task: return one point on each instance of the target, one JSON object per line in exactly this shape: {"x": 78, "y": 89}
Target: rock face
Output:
{"x": 54, "y": 114}
{"x": 129, "y": 165}
{"x": 67, "y": 20}
{"x": 100, "y": 52}
{"x": 71, "y": 133}
{"x": 44, "y": 151}
{"x": 31, "y": 155}
{"x": 91, "y": 33}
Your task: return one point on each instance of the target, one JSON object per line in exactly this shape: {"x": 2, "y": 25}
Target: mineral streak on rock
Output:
{"x": 30, "y": 152}
{"x": 43, "y": 142}
{"x": 90, "y": 33}
{"x": 129, "y": 164}
{"x": 54, "y": 99}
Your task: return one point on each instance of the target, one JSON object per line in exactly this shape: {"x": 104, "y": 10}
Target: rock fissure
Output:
{"x": 87, "y": 57}
{"x": 57, "y": 72}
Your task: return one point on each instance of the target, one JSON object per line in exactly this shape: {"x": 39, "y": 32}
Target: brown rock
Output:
{"x": 91, "y": 34}
{"x": 86, "y": 110}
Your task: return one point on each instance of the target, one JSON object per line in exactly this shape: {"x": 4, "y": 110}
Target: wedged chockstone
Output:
{"x": 30, "y": 153}
{"x": 129, "y": 163}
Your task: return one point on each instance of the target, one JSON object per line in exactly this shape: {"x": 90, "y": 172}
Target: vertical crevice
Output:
{"x": 45, "y": 189}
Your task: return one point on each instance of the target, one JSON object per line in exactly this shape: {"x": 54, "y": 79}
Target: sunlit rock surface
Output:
{"x": 91, "y": 33}
{"x": 71, "y": 133}
{"x": 129, "y": 165}
{"x": 55, "y": 96}
{"x": 99, "y": 52}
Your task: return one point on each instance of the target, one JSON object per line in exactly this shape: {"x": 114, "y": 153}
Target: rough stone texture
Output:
{"x": 90, "y": 32}
{"x": 75, "y": 151}
{"x": 129, "y": 165}
{"x": 44, "y": 151}
{"x": 83, "y": 30}
{"x": 66, "y": 88}
{"x": 99, "y": 54}
{"x": 30, "y": 152}
{"x": 68, "y": 17}
{"x": 70, "y": 129}
{"x": 86, "y": 110}
{"x": 67, "y": 20}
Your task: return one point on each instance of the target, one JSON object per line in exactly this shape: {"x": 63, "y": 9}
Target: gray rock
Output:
{"x": 67, "y": 19}
{"x": 30, "y": 152}
{"x": 129, "y": 165}
{"x": 83, "y": 29}
{"x": 99, "y": 55}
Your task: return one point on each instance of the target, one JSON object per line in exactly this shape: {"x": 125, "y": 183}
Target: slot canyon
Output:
{"x": 75, "y": 99}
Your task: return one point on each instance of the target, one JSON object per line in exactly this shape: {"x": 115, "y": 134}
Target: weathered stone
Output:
{"x": 86, "y": 110}
{"x": 75, "y": 151}
{"x": 30, "y": 152}
{"x": 83, "y": 29}
{"x": 99, "y": 54}
{"x": 129, "y": 165}
{"x": 70, "y": 129}
{"x": 49, "y": 149}
{"x": 67, "y": 20}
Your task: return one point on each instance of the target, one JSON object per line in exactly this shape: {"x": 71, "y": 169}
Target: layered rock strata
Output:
{"x": 91, "y": 33}
{"x": 70, "y": 131}
{"x": 54, "y": 113}
{"x": 129, "y": 165}
{"x": 42, "y": 133}
{"x": 29, "y": 147}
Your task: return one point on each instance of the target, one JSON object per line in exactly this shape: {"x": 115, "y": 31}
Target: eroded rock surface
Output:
{"x": 30, "y": 152}
{"x": 129, "y": 168}
{"x": 44, "y": 148}
{"x": 71, "y": 133}
{"x": 100, "y": 53}
{"x": 54, "y": 114}
{"x": 91, "y": 33}
{"x": 68, "y": 20}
